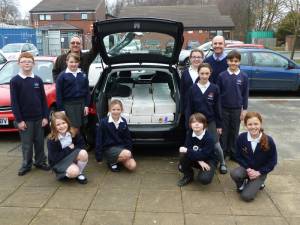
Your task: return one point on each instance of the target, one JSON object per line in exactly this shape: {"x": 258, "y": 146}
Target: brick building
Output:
{"x": 57, "y": 21}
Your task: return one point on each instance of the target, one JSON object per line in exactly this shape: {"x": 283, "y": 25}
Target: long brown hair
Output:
{"x": 264, "y": 143}
{"x": 54, "y": 133}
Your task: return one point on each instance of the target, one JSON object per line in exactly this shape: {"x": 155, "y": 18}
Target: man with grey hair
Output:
{"x": 86, "y": 58}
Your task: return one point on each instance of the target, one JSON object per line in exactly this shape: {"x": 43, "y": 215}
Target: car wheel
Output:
{"x": 186, "y": 62}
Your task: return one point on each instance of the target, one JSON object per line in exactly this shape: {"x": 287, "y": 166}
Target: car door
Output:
{"x": 245, "y": 65}
{"x": 272, "y": 71}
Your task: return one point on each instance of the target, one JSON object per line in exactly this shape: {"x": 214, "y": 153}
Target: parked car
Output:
{"x": 269, "y": 70}
{"x": 244, "y": 46}
{"x": 43, "y": 68}
{"x": 192, "y": 44}
{"x": 3, "y": 60}
{"x": 146, "y": 82}
{"x": 12, "y": 51}
{"x": 206, "y": 48}
{"x": 134, "y": 46}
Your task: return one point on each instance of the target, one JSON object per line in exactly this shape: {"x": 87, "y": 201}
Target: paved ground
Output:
{"x": 150, "y": 195}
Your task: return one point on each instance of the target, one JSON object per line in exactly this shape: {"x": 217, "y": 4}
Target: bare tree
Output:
{"x": 293, "y": 6}
{"x": 9, "y": 11}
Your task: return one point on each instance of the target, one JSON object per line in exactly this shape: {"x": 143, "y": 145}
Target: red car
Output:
{"x": 43, "y": 68}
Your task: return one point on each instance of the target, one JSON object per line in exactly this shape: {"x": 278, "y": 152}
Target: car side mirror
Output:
{"x": 290, "y": 66}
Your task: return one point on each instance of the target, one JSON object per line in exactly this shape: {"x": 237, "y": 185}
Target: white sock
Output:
{"x": 81, "y": 165}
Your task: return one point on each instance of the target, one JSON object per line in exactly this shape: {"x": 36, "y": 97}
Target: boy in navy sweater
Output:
{"x": 204, "y": 97}
{"x": 256, "y": 153}
{"x": 217, "y": 60}
{"x": 234, "y": 90}
{"x": 29, "y": 106}
{"x": 198, "y": 151}
{"x": 113, "y": 139}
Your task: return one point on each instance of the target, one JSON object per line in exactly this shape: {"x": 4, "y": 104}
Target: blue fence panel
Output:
{"x": 17, "y": 35}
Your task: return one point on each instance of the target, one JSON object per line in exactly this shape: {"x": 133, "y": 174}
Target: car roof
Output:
{"x": 39, "y": 58}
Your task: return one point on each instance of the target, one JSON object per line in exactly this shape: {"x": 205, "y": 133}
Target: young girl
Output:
{"x": 204, "y": 97}
{"x": 113, "y": 139}
{"x": 198, "y": 152}
{"x": 256, "y": 153}
{"x": 72, "y": 92}
{"x": 66, "y": 155}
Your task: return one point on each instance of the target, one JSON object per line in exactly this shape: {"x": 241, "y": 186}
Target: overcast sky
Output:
{"x": 26, "y": 5}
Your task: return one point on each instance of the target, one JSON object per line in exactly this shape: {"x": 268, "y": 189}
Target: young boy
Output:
{"x": 30, "y": 109}
{"x": 234, "y": 91}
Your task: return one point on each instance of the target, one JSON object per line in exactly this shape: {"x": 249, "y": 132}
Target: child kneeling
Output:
{"x": 197, "y": 152}
{"x": 113, "y": 139}
{"x": 66, "y": 155}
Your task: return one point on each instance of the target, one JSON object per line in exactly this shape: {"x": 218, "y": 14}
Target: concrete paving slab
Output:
{"x": 205, "y": 203}
{"x": 142, "y": 218}
{"x": 29, "y": 197}
{"x": 290, "y": 167}
{"x": 59, "y": 217}
{"x": 260, "y": 220}
{"x": 17, "y": 215}
{"x": 157, "y": 164}
{"x": 282, "y": 184}
{"x": 196, "y": 219}
{"x": 5, "y": 193}
{"x": 262, "y": 205}
{"x": 41, "y": 179}
{"x": 226, "y": 182}
{"x": 123, "y": 179}
{"x": 72, "y": 198}
{"x": 116, "y": 199}
{"x": 108, "y": 218}
{"x": 294, "y": 220}
{"x": 162, "y": 181}
{"x": 288, "y": 204}
{"x": 159, "y": 201}
{"x": 214, "y": 186}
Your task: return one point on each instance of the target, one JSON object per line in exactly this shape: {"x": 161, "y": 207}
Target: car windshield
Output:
{"x": 140, "y": 43}
{"x": 11, "y": 48}
{"x": 42, "y": 68}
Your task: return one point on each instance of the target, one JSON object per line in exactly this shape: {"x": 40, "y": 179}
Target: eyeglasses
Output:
{"x": 26, "y": 62}
{"x": 196, "y": 57}
{"x": 75, "y": 42}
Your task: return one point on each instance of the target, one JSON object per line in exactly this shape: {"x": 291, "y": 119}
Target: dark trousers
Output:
{"x": 33, "y": 136}
{"x": 212, "y": 129}
{"x": 230, "y": 131}
{"x": 239, "y": 174}
{"x": 204, "y": 177}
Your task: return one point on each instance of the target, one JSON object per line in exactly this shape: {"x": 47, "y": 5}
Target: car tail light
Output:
{"x": 92, "y": 109}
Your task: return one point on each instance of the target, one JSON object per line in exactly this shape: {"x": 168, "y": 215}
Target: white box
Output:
{"x": 141, "y": 90}
{"x": 126, "y": 101}
{"x": 162, "y": 118}
{"x": 163, "y": 106}
{"x": 139, "y": 119}
{"x": 143, "y": 107}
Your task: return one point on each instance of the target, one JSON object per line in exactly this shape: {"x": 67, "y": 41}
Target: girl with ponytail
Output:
{"x": 257, "y": 156}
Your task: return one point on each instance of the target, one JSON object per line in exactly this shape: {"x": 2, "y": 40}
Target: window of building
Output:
{"x": 42, "y": 17}
{"x": 48, "y": 17}
{"x": 45, "y": 17}
{"x": 84, "y": 16}
{"x": 66, "y": 16}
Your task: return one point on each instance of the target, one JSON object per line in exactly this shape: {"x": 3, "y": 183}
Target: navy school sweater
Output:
{"x": 217, "y": 67}
{"x": 28, "y": 98}
{"x": 107, "y": 135}
{"x": 57, "y": 153}
{"x": 262, "y": 161}
{"x": 234, "y": 90}
{"x": 69, "y": 87}
{"x": 186, "y": 83}
{"x": 200, "y": 150}
{"x": 208, "y": 104}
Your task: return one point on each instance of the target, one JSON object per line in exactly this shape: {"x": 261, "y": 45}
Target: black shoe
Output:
{"x": 223, "y": 169}
{"x": 262, "y": 187}
{"x": 81, "y": 179}
{"x": 184, "y": 181}
{"x": 23, "y": 171}
{"x": 43, "y": 166}
{"x": 242, "y": 186}
{"x": 114, "y": 167}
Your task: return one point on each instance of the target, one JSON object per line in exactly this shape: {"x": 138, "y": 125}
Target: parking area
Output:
{"x": 150, "y": 195}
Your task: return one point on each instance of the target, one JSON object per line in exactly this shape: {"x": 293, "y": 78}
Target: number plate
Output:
{"x": 3, "y": 121}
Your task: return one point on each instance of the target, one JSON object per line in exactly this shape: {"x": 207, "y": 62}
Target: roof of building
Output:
{"x": 66, "y": 6}
{"x": 59, "y": 26}
{"x": 11, "y": 26}
{"x": 192, "y": 16}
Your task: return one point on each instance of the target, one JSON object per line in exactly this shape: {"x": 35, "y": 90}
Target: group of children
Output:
{"x": 204, "y": 102}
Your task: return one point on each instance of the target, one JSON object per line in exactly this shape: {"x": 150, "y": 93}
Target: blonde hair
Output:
{"x": 115, "y": 102}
